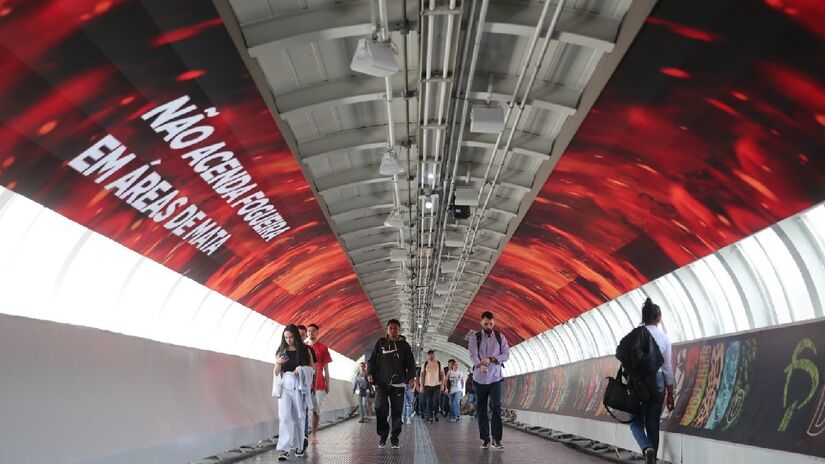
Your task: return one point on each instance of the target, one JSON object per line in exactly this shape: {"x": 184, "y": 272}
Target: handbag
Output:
{"x": 277, "y": 386}
{"x": 621, "y": 397}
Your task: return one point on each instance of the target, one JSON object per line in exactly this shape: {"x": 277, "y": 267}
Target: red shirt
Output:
{"x": 322, "y": 358}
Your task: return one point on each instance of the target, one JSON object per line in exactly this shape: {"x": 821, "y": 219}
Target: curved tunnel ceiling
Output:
{"x": 711, "y": 129}
{"x": 78, "y": 74}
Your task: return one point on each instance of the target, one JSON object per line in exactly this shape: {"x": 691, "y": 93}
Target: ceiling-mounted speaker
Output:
{"x": 486, "y": 120}
{"x": 395, "y": 219}
{"x": 374, "y": 58}
{"x": 460, "y": 211}
{"x": 389, "y": 164}
{"x": 453, "y": 239}
{"x": 466, "y": 196}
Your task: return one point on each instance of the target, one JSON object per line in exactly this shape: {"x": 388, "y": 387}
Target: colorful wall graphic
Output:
{"x": 139, "y": 120}
{"x": 712, "y": 128}
{"x": 763, "y": 388}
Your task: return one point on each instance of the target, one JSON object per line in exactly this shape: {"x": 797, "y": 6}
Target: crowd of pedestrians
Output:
{"x": 394, "y": 389}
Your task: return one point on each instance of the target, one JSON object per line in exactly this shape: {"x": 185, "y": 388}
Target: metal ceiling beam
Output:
{"x": 348, "y": 141}
{"x": 549, "y": 97}
{"x": 364, "y": 202}
{"x": 372, "y": 240}
{"x": 375, "y": 137}
{"x": 385, "y": 245}
{"x": 336, "y": 93}
{"x": 523, "y": 144}
{"x": 342, "y": 20}
{"x": 574, "y": 26}
{"x": 520, "y": 181}
{"x": 545, "y": 96}
{"x": 330, "y": 22}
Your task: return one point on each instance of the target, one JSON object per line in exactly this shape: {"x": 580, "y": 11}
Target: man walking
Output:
{"x": 488, "y": 352}
{"x": 390, "y": 368}
{"x": 431, "y": 379}
{"x": 322, "y": 360}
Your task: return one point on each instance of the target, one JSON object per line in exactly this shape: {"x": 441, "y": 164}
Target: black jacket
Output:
{"x": 391, "y": 362}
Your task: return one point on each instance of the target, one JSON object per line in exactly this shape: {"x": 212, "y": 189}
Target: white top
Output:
{"x": 457, "y": 380}
{"x": 665, "y": 347}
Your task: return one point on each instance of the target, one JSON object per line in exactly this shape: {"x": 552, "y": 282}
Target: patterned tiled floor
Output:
{"x": 441, "y": 443}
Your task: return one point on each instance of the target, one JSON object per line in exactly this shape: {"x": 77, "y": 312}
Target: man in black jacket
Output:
{"x": 390, "y": 368}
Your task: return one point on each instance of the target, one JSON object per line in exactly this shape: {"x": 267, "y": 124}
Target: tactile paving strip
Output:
{"x": 444, "y": 443}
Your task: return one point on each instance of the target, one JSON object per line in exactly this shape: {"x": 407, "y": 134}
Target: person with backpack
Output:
{"x": 430, "y": 381}
{"x": 470, "y": 391}
{"x": 390, "y": 369}
{"x": 489, "y": 351}
{"x": 646, "y": 358}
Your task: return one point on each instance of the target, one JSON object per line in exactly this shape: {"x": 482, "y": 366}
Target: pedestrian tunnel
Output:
{"x": 182, "y": 184}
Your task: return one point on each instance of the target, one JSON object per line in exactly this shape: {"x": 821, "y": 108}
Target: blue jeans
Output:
{"x": 455, "y": 404}
{"x": 645, "y": 426}
{"x": 409, "y": 397}
{"x": 363, "y": 407}
{"x": 491, "y": 393}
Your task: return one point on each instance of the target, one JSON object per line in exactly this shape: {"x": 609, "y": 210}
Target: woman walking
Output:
{"x": 296, "y": 369}
{"x": 645, "y": 426}
{"x": 361, "y": 388}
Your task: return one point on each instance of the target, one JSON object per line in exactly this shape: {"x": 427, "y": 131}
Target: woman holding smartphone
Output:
{"x": 293, "y": 363}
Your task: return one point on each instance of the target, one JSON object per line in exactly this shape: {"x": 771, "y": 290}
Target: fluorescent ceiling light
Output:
{"x": 374, "y": 58}
{"x": 430, "y": 201}
{"x": 390, "y": 165}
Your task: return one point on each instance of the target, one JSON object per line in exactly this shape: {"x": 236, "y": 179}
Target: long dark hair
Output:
{"x": 300, "y": 348}
{"x": 650, "y": 312}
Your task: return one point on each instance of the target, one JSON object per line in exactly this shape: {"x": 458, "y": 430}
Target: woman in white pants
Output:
{"x": 294, "y": 365}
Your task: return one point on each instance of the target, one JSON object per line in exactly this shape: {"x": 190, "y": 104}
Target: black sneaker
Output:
{"x": 299, "y": 453}
{"x": 283, "y": 456}
{"x": 382, "y": 442}
{"x": 650, "y": 456}
{"x": 436, "y": 418}
{"x": 485, "y": 444}
{"x": 497, "y": 445}
{"x": 306, "y": 442}
{"x": 394, "y": 443}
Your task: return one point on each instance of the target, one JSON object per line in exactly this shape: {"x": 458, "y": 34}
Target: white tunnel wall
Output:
{"x": 110, "y": 357}
{"x": 57, "y": 270}
{"x": 775, "y": 276}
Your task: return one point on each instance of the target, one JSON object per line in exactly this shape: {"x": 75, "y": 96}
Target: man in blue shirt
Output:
{"x": 488, "y": 352}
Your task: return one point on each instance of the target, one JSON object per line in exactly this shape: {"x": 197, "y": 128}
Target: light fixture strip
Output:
{"x": 475, "y": 219}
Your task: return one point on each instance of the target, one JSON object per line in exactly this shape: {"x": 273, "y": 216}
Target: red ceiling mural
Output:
{"x": 139, "y": 120}
{"x": 711, "y": 129}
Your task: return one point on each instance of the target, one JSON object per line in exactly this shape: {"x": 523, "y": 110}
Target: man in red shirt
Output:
{"x": 322, "y": 360}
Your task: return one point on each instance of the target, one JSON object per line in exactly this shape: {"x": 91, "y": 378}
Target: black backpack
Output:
{"x": 498, "y": 339}
{"x": 641, "y": 359}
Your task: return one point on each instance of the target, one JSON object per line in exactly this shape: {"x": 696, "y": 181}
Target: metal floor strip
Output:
{"x": 424, "y": 451}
